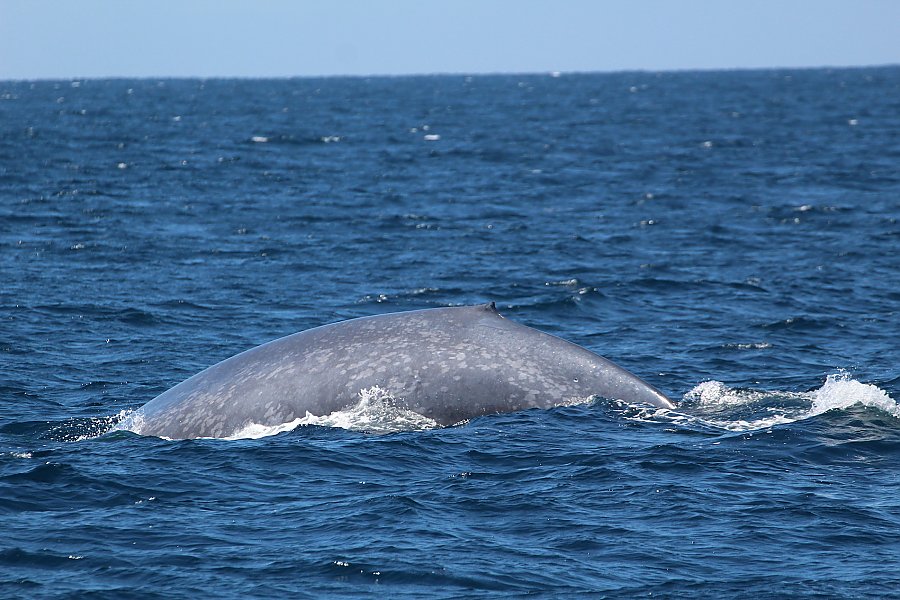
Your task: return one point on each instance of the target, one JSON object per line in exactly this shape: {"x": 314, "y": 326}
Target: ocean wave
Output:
{"x": 714, "y": 405}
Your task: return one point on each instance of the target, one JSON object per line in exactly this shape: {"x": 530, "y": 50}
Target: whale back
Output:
{"x": 448, "y": 364}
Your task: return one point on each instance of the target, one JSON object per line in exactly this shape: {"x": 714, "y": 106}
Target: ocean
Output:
{"x": 731, "y": 237}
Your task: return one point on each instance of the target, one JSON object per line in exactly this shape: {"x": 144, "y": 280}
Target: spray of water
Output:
{"x": 712, "y": 404}
{"x": 375, "y": 412}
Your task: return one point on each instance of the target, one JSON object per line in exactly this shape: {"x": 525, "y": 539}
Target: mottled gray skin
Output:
{"x": 448, "y": 364}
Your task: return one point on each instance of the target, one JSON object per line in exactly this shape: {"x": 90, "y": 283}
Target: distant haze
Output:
{"x": 274, "y": 38}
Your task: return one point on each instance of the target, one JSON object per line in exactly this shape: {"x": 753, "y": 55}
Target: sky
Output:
{"x": 50, "y": 39}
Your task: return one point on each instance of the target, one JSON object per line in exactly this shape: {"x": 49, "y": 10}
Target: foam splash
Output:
{"x": 128, "y": 420}
{"x": 375, "y": 412}
{"x": 716, "y": 394}
{"x": 714, "y": 405}
{"x": 840, "y": 391}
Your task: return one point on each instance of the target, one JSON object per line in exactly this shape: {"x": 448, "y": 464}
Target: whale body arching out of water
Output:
{"x": 447, "y": 364}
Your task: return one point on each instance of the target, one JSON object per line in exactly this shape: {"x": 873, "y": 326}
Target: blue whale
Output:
{"x": 447, "y": 364}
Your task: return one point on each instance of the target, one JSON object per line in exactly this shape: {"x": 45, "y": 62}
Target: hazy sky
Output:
{"x": 265, "y": 38}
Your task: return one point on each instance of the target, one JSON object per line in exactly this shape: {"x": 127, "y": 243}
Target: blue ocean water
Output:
{"x": 731, "y": 237}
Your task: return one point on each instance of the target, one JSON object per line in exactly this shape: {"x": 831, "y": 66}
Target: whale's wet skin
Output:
{"x": 447, "y": 364}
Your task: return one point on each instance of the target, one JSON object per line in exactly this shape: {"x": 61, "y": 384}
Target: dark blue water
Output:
{"x": 731, "y": 237}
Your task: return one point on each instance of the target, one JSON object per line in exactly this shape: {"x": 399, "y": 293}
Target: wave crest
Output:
{"x": 840, "y": 391}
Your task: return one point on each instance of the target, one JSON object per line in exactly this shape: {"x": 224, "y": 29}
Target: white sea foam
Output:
{"x": 375, "y": 412}
{"x": 840, "y": 391}
{"x": 714, "y": 404}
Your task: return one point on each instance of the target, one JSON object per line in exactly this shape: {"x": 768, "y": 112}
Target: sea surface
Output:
{"x": 731, "y": 237}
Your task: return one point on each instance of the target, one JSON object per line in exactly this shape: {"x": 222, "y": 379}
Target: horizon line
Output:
{"x": 548, "y": 72}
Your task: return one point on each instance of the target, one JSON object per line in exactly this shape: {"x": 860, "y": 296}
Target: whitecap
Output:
{"x": 563, "y": 282}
